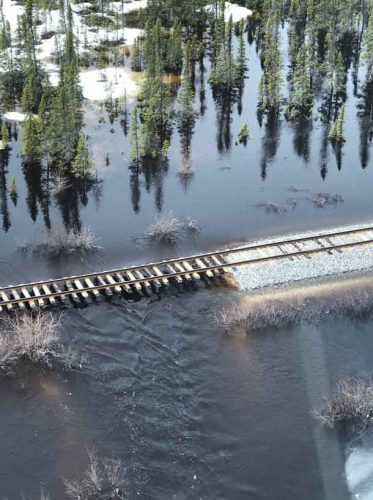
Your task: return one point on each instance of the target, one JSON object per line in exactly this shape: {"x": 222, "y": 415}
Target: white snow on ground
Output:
{"x": 117, "y": 80}
{"x": 99, "y": 85}
{"x": 11, "y": 11}
{"x": 359, "y": 473}
{"x": 14, "y": 116}
{"x": 285, "y": 270}
{"x": 236, "y": 11}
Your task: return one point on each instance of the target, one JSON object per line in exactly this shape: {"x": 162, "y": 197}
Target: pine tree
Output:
{"x": 4, "y": 135}
{"x": 82, "y": 164}
{"x": 337, "y": 133}
{"x": 31, "y": 140}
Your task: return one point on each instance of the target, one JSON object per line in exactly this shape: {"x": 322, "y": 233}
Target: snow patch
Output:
{"x": 99, "y": 85}
{"x": 237, "y": 12}
{"x": 14, "y": 116}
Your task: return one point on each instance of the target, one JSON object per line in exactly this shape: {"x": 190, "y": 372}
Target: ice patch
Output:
{"x": 237, "y": 12}
{"x": 359, "y": 473}
{"x": 282, "y": 271}
{"x": 14, "y": 116}
{"x": 11, "y": 11}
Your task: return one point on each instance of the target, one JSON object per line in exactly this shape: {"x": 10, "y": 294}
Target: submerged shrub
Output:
{"x": 352, "y": 403}
{"x": 34, "y": 339}
{"x": 167, "y": 228}
{"x": 278, "y": 313}
{"x": 102, "y": 480}
{"x": 61, "y": 242}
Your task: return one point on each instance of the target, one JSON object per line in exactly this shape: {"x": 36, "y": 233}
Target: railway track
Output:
{"x": 146, "y": 279}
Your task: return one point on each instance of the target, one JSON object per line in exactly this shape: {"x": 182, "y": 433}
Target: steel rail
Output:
{"x": 111, "y": 286}
{"x": 245, "y": 248}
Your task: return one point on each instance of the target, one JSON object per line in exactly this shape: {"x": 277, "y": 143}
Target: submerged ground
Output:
{"x": 193, "y": 413}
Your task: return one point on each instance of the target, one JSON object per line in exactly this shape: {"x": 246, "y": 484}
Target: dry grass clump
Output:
{"x": 102, "y": 480}
{"x": 35, "y": 339}
{"x": 272, "y": 208}
{"x": 61, "y": 242}
{"x": 257, "y": 316}
{"x": 168, "y": 228}
{"x": 261, "y": 313}
{"x": 322, "y": 200}
{"x": 352, "y": 403}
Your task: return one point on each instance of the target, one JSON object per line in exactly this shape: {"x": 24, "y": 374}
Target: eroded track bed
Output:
{"x": 150, "y": 278}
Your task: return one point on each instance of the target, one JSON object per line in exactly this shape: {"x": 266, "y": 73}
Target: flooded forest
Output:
{"x": 134, "y": 131}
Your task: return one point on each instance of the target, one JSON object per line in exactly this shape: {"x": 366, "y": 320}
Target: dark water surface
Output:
{"x": 192, "y": 413}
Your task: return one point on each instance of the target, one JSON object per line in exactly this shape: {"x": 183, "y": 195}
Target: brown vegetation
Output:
{"x": 35, "y": 339}
{"x": 352, "y": 403}
{"x": 102, "y": 480}
{"x": 167, "y": 228}
{"x": 62, "y": 242}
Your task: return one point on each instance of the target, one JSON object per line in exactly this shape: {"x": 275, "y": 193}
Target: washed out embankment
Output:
{"x": 295, "y": 303}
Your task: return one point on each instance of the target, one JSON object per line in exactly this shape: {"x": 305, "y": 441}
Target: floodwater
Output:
{"x": 193, "y": 413}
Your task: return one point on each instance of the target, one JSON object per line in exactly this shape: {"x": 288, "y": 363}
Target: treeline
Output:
{"x": 53, "y": 116}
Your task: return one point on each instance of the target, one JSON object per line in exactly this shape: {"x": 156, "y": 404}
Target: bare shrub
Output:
{"x": 272, "y": 208}
{"x": 352, "y": 403}
{"x": 33, "y": 338}
{"x": 61, "y": 242}
{"x": 321, "y": 200}
{"x": 278, "y": 313}
{"x": 103, "y": 479}
{"x": 60, "y": 183}
{"x": 167, "y": 228}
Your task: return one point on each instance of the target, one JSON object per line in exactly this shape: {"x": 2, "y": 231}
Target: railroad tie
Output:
{"x": 89, "y": 283}
{"x": 61, "y": 296}
{"x": 102, "y": 282}
{"x": 112, "y": 281}
{"x": 180, "y": 268}
{"x": 37, "y": 293}
{"x": 172, "y": 270}
{"x": 123, "y": 283}
{"x": 80, "y": 287}
{"x": 131, "y": 277}
{"x": 219, "y": 262}
{"x": 73, "y": 295}
{"x": 200, "y": 264}
{"x": 159, "y": 273}
{"x": 155, "y": 281}
{"x": 6, "y": 299}
{"x": 146, "y": 284}
{"x": 48, "y": 292}
{"x": 188, "y": 267}
{"x": 15, "y": 294}
{"x": 208, "y": 263}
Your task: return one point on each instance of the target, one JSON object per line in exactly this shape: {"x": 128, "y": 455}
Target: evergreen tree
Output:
{"x": 31, "y": 140}
{"x": 4, "y": 135}
{"x": 82, "y": 164}
{"x": 337, "y": 134}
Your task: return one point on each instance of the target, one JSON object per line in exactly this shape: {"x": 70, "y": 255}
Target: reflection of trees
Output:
{"x": 302, "y": 131}
{"x": 151, "y": 175}
{"x": 75, "y": 196}
{"x": 270, "y": 141}
{"x": 365, "y": 122}
{"x": 324, "y": 152}
{"x": 37, "y": 180}
{"x": 4, "y": 159}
